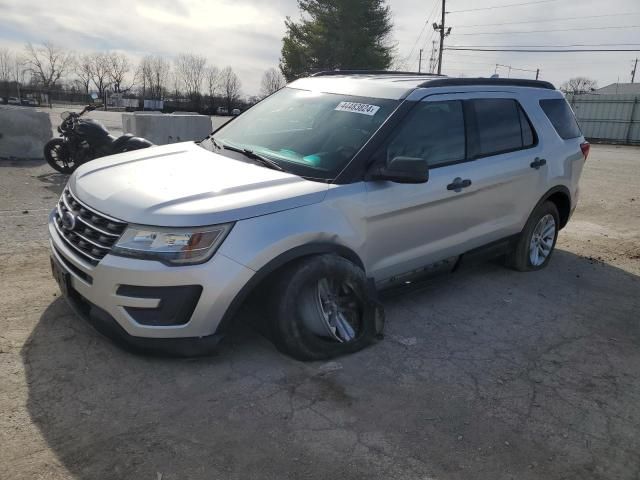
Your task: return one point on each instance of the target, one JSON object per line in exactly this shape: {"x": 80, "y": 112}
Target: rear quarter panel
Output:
{"x": 564, "y": 157}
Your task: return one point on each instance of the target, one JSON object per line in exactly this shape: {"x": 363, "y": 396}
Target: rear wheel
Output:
{"x": 57, "y": 155}
{"x": 320, "y": 308}
{"x": 538, "y": 239}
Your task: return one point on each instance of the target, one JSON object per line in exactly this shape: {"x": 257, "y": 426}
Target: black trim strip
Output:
{"x": 499, "y": 82}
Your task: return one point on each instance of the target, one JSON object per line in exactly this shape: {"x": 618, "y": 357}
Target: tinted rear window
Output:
{"x": 502, "y": 126}
{"x": 561, "y": 117}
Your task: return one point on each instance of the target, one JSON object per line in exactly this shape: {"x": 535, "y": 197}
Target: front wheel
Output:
{"x": 538, "y": 239}
{"x": 57, "y": 155}
{"x": 320, "y": 307}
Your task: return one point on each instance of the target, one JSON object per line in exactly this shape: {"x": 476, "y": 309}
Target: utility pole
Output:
{"x": 420, "y": 62}
{"x": 537, "y": 73}
{"x": 434, "y": 56}
{"x": 633, "y": 72}
{"x": 443, "y": 33}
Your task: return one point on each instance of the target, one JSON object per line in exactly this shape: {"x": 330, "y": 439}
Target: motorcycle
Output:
{"x": 85, "y": 139}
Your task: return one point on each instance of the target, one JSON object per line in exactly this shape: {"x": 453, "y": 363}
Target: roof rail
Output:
{"x": 326, "y": 73}
{"x": 462, "y": 82}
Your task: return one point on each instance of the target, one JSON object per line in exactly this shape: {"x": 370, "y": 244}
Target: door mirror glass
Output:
{"x": 402, "y": 170}
{"x": 65, "y": 115}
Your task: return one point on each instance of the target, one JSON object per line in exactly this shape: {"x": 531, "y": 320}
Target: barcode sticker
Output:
{"x": 362, "y": 108}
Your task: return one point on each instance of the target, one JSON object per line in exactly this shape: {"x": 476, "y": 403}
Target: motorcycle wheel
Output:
{"x": 57, "y": 156}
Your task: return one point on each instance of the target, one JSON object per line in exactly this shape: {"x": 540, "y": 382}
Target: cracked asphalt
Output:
{"x": 484, "y": 374}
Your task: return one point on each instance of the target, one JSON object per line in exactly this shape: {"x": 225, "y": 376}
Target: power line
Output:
{"x": 547, "y": 31}
{"x": 430, "y": 39}
{"x": 435, "y": 4}
{"x": 549, "y": 46}
{"x": 545, "y": 51}
{"x": 502, "y": 6}
{"x": 547, "y": 21}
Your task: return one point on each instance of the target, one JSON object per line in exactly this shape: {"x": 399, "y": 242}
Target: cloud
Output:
{"x": 247, "y": 34}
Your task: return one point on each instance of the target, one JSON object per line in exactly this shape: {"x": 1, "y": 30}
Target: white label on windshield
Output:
{"x": 362, "y": 108}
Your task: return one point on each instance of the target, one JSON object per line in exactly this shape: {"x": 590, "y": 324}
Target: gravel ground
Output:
{"x": 483, "y": 374}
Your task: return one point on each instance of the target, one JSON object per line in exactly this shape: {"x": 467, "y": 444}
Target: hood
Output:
{"x": 184, "y": 185}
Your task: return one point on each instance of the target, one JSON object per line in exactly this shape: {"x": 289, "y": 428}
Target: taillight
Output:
{"x": 585, "y": 147}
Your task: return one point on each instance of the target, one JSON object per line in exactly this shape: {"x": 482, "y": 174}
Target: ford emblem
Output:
{"x": 68, "y": 221}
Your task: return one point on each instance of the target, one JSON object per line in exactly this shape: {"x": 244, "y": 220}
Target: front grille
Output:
{"x": 90, "y": 234}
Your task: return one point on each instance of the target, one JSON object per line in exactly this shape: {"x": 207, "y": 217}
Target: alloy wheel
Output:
{"x": 542, "y": 238}
{"x": 339, "y": 310}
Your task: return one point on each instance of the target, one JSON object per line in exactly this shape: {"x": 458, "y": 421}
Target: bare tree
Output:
{"x": 175, "y": 82}
{"x": 99, "y": 66}
{"x": 118, "y": 67}
{"x": 82, "y": 69}
{"x": 6, "y": 70}
{"x": 190, "y": 69}
{"x": 230, "y": 85}
{"x": 213, "y": 83}
{"x": 272, "y": 81}
{"x": 18, "y": 71}
{"x": 579, "y": 85}
{"x": 6, "y": 61}
{"x": 154, "y": 74}
{"x": 47, "y": 64}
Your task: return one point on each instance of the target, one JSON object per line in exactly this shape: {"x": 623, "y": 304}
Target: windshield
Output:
{"x": 311, "y": 134}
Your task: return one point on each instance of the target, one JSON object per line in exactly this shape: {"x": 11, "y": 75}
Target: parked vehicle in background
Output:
{"x": 222, "y": 111}
{"x": 84, "y": 140}
{"x": 313, "y": 199}
{"x": 28, "y": 102}
{"x": 235, "y": 112}
{"x": 13, "y": 101}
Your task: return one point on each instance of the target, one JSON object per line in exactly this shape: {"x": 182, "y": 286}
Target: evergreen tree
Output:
{"x": 337, "y": 34}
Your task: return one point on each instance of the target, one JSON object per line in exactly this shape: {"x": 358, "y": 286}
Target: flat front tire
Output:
{"x": 538, "y": 239}
{"x": 320, "y": 308}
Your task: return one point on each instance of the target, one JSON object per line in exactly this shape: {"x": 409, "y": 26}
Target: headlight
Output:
{"x": 171, "y": 246}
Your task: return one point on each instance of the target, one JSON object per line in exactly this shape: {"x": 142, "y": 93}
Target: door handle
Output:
{"x": 458, "y": 184}
{"x": 537, "y": 163}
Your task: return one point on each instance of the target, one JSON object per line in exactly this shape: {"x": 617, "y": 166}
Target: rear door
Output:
{"x": 480, "y": 181}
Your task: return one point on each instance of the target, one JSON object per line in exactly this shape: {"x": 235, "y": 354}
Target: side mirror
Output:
{"x": 402, "y": 170}
{"x": 94, "y": 95}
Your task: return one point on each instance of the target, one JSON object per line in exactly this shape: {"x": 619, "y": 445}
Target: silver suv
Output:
{"x": 335, "y": 187}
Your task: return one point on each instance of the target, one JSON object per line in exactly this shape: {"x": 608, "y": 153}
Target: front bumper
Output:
{"x": 221, "y": 279}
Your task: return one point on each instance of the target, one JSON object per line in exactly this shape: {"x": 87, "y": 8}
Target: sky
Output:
{"x": 247, "y": 34}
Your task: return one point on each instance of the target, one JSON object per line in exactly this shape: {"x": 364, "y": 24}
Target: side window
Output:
{"x": 502, "y": 126}
{"x": 433, "y": 131}
{"x": 562, "y": 118}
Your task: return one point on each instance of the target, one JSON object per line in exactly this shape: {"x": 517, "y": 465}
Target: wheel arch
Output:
{"x": 561, "y": 198}
{"x": 277, "y": 264}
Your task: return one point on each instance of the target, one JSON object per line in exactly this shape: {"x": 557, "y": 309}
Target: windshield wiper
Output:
{"x": 252, "y": 155}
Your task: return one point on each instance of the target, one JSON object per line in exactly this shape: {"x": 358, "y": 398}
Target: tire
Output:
{"x": 297, "y": 321}
{"x": 56, "y": 153}
{"x": 523, "y": 257}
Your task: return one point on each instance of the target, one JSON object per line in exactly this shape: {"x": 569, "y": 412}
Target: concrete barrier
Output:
{"x": 23, "y": 132}
{"x": 166, "y": 128}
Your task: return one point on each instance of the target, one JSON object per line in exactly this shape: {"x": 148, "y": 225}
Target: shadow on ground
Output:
{"x": 485, "y": 374}
{"x": 53, "y": 181}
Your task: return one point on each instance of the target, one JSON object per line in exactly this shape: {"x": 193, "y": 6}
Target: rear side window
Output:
{"x": 501, "y": 126}
{"x": 562, "y": 118}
